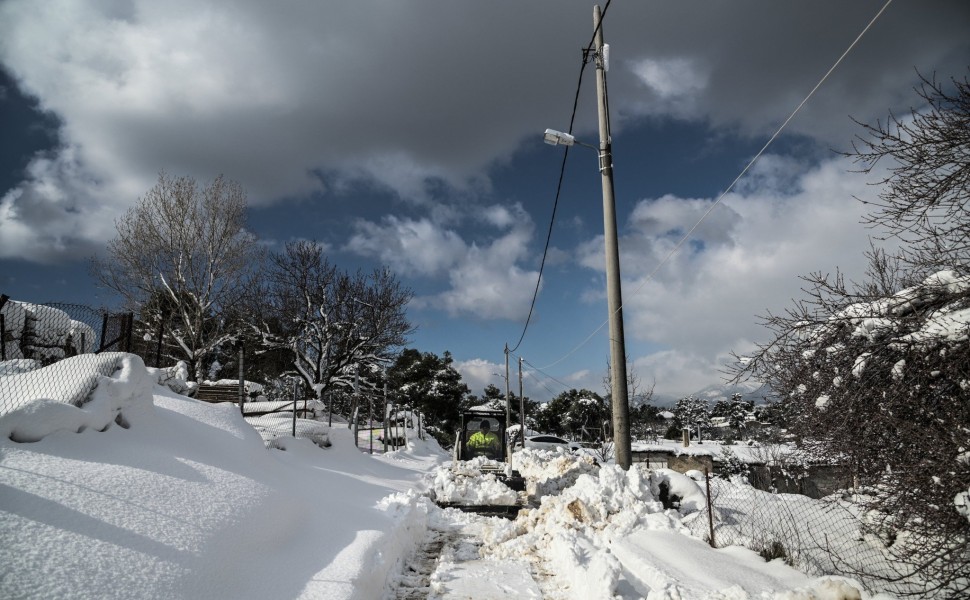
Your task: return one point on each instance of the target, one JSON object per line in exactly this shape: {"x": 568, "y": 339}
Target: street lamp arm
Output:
{"x": 559, "y": 138}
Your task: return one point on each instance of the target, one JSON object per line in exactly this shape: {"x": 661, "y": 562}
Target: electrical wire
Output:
{"x": 562, "y": 172}
{"x": 744, "y": 171}
{"x": 547, "y": 375}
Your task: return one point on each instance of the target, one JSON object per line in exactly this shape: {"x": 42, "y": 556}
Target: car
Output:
{"x": 546, "y": 442}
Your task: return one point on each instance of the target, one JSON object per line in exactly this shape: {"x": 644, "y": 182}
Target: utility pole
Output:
{"x": 508, "y": 407}
{"x": 620, "y": 401}
{"x": 521, "y": 406}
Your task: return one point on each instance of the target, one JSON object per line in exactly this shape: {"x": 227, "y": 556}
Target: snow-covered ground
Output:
{"x": 134, "y": 491}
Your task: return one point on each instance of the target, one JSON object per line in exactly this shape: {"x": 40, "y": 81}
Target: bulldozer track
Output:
{"x": 416, "y": 578}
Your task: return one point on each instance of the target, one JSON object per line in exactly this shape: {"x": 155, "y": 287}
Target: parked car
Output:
{"x": 547, "y": 442}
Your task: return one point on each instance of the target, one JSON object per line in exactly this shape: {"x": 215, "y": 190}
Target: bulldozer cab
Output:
{"x": 482, "y": 433}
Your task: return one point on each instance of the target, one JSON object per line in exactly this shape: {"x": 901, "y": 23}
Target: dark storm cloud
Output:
{"x": 295, "y": 97}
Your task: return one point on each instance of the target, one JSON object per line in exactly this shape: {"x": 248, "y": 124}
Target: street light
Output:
{"x": 558, "y": 138}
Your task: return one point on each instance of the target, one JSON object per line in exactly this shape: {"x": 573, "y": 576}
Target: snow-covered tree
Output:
{"x": 877, "y": 375}
{"x": 577, "y": 414}
{"x": 738, "y": 410}
{"x": 183, "y": 251}
{"x": 333, "y": 328}
{"x": 692, "y": 413}
{"x": 432, "y": 385}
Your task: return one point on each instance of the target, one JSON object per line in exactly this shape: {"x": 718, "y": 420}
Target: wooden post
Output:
{"x": 294, "y": 407}
{"x": 242, "y": 380}
{"x": 710, "y": 510}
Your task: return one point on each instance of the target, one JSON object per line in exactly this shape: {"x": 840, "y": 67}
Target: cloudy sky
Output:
{"x": 408, "y": 134}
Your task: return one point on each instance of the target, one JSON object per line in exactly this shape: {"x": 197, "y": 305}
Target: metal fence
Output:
{"x": 833, "y": 535}
{"x": 51, "y": 351}
{"x": 33, "y": 336}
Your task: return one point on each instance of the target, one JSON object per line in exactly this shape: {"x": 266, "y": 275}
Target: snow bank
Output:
{"x": 609, "y": 536}
{"x": 571, "y": 530}
{"x": 81, "y": 392}
{"x": 18, "y": 366}
{"x": 187, "y": 502}
{"x": 276, "y": 428}
{"x": 549, "y": 471}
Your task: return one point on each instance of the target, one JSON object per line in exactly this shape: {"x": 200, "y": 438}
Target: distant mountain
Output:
{"x": 750, "y": 391}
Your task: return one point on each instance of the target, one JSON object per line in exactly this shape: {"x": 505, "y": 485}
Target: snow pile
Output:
{"x": 18, "y": 366}
{"x": 14, "y": 320}
{"x": 609, "y": 536}
{"x": 275, "y": 428}
{"x": 550, "y": 471}
{"x": 46, "y": 331}
{"x": 573, "y": 531}
{"x": 467, "y": 484}
{"x": 175, "y": 377}
{"x": 77, "y": 393}
{"x": 172, "y": 501}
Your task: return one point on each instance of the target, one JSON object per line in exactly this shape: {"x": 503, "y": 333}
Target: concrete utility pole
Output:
{"x": 508, "y": 407}
{"x": 521, "y": 406}
{"x": 620, "y": 401}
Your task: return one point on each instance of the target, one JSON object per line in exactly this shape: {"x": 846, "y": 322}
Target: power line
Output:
{"x": 547, "y": 375}
{"x": 562, "y": 172}
{"x": 744, "y": 171}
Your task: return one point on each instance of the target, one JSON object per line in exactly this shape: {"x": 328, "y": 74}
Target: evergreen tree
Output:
{"x": 692, "y": 413}
{"x": 431, "y": 385}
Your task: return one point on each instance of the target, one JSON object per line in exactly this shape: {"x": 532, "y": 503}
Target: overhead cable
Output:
{"x": 687, "y": 236}
{"x": 562, "y": 172}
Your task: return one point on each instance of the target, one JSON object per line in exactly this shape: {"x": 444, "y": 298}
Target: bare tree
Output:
{"x": 874, "y": 375}
{"x": 336, "y": 326}
{"x": 638, "y": 392}
{"x": 184, "y": 250}
{"x": 924, "y": 193}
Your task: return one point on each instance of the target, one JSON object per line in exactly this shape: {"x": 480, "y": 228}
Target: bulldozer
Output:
{"x": 492, "y": 424}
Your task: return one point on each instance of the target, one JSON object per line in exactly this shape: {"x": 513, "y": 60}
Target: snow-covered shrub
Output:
{"x": 731, "y": 463}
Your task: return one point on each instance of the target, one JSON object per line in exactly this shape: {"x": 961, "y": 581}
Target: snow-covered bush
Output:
{"x": 877, "y": 374}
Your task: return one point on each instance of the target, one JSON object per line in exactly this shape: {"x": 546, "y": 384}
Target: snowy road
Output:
{"x": 448, "y": 565}
{"x": 598, "y": 532}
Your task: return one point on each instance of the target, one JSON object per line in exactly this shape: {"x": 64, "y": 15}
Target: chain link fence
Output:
{"x": 52, "y": 351}
{"x": 833, "y": 535}
{"x": 33, "y": 336}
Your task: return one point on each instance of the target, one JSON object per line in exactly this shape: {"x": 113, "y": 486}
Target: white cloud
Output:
{"x": 53, "y": 213}
{"x": 677, "y": 83}
{"x": 485, "y": 280}
{"x": 678, "y": 373}
{"x": 409, "y": 246}
{"x": 742, "y": 261}
{"x": 301, "y": 101}
{"x": 478, "y": 373}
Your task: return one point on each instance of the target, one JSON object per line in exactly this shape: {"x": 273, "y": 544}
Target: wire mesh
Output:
{"x": 833, "y": 535}
{"x": 65, "y": 337}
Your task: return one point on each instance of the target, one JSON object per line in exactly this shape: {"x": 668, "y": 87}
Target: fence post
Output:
{"x": 294, "y": 407}
{"x": 710, "y": 510}
{"x": 353, "y": 425}
{"x": 3, "y": 328}
{"x": 128, "y": 322}
{"x": 387, "y": 410}
{"x": 242, "y": 381}
{"x": 104, "y": 332}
